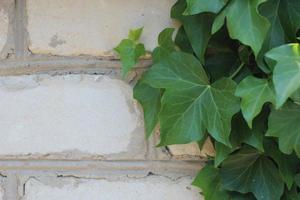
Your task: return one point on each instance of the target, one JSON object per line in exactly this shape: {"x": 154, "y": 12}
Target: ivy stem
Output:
{"x": 237, "y": 70}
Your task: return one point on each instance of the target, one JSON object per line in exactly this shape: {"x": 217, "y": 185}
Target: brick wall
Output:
{"x": 69, "y": 127}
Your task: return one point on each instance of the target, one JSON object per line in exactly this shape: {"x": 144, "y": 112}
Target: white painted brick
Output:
{"x": 148, "y": 188}
{"x": 5, "y": 6}
{"x": 94, "y": 27}
{"x": 2, "y": 192}
{"x": 73, "y": 113}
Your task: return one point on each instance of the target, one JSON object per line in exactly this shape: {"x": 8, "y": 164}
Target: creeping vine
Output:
{"x": 231, "y": 74}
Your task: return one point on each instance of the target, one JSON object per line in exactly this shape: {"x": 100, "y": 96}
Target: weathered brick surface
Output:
{"x": 146, "y": 188}
{"x": 87, "y": 127}
{"x": 79, "y": 114}
{"x": 6, "y": 7}
{"x": 64, "y": 27}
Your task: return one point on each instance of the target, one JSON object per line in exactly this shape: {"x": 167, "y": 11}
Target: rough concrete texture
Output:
{"x": 6, "y": 7}
{"x": 64, "y": 27}
{"x": 55, "y": 114}
{"x": 146, "y": 188}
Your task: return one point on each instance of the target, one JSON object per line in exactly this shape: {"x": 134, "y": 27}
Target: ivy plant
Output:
{"x": 231, "y": 73}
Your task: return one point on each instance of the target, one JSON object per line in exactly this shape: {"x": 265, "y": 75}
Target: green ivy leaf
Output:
{"x": 284, "y": 124}
{"x": 241, "y": 134}
{"x": 276, "y": 35}
{"x": 286, "y": 73}
{"x": 297, "y": 180}
{"x": 130, "y": 51}
{"x": 296, "y": 96}
{"x": 199, "y": 6}
{"x": 208, "y": 179}
{"x": 182, "y": 41}
{"x": 291, "y": 18}
{"x": 197, "y": 28}
{"x": 287, "y": 164}
{"x": 135, "y": 34}
{"x": 238, "y": 196}
{"x": 190, "y": 104}
{"x": 255, "y": 93}
{"x": 149, "y": 98}
{"x": 240, "y": 14}
{"x": 165, "y": 45}
{"x": 249, "y": 171}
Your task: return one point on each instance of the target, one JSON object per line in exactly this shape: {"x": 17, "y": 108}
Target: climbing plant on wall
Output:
{"x": 231, "y": 74}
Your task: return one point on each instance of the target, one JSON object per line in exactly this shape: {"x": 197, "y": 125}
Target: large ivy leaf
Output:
{"x": 149, "y": 98}
{"x": 287, "y": 164}
{"x": 197, "y": 28}
{"x": 130, "y": 50}
{"x": 244, "y": 23}
{"x": 208, "y": 179}
{"x": 190, "y": 105}
{"x": 276, "y": 35}
{"x": 199, "y": 6}
{"x": 286, "y": 72}
{"x": 284, "y": 124}
{"x": 242, "y": 134}
{"x": 249, "y": 171}
{"x": 182, "y": 41}
{"x": 255, "y": 93}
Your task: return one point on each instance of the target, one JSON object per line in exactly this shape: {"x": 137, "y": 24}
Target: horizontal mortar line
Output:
{"x": 52, "y": 64}
{"x": 51, "y": 165}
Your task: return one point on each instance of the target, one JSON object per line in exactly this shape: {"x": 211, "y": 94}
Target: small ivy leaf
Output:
{"x": 287, "y": 164}
{"x": 249, "y": 171}
{"x": 129, "y": 53}
{"x": 190, "y": 105}
{"x": 255, "y": 93}
{"x": 239, "y": 14}
{"x": 165, "y": 39}
{"x": 149, "y": 98}
{"x": 199, "y": 6}
{"x": 284, "y": 124}
{"x": 135, "y": 34}
{"x": 197, "y": 28}
{"x": 208, "y": 179}
{"x": 165, "y": 45}
{"x": 286, "y": 73}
